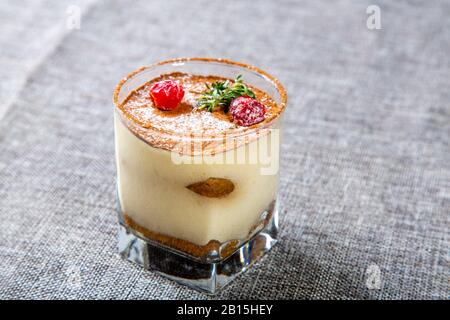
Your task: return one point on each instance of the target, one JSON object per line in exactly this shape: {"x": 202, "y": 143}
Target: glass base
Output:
{"x": 205, "y": 277}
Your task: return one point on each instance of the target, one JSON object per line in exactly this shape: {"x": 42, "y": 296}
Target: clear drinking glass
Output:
{"x": 193, "y": 238}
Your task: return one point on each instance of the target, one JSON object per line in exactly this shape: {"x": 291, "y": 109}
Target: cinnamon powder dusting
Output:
{"x": 161, "y": 128}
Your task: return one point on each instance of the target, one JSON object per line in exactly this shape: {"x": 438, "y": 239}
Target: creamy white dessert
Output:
{"x": 165, "y": 200}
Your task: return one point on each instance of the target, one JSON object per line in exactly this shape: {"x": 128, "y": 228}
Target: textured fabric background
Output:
{"x": 366, "y": 157}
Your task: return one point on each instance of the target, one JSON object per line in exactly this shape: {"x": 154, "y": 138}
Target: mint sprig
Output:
{"x": 221, "y": 93}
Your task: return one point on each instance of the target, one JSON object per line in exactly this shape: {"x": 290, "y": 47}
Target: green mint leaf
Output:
{"x": 221, "y": 93}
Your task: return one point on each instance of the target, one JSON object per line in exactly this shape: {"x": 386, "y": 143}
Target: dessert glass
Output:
{"x": 200, "y": 240}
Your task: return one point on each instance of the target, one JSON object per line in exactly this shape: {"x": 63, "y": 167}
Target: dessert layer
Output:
{"x": 184, "y": 245}
{"x": 161, "y": 128}
{"x": 223, "y": 250}
{"x": 158, "y": 194}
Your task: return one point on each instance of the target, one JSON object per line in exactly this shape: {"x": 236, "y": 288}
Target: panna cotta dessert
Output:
{"x": 197, "y": 152}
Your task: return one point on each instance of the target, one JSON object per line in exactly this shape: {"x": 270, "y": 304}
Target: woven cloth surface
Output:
{"x": 365, "y": 180}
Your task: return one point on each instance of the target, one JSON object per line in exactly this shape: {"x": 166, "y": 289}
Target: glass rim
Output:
{"x": 265, "y": 75}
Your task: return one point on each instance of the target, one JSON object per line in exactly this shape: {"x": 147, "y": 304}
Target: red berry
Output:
{"x": 247, "y": 111}
{"x": 166, "y": 94}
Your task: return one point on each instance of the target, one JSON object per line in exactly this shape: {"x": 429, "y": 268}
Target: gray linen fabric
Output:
{"x": 365, "y": 185}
